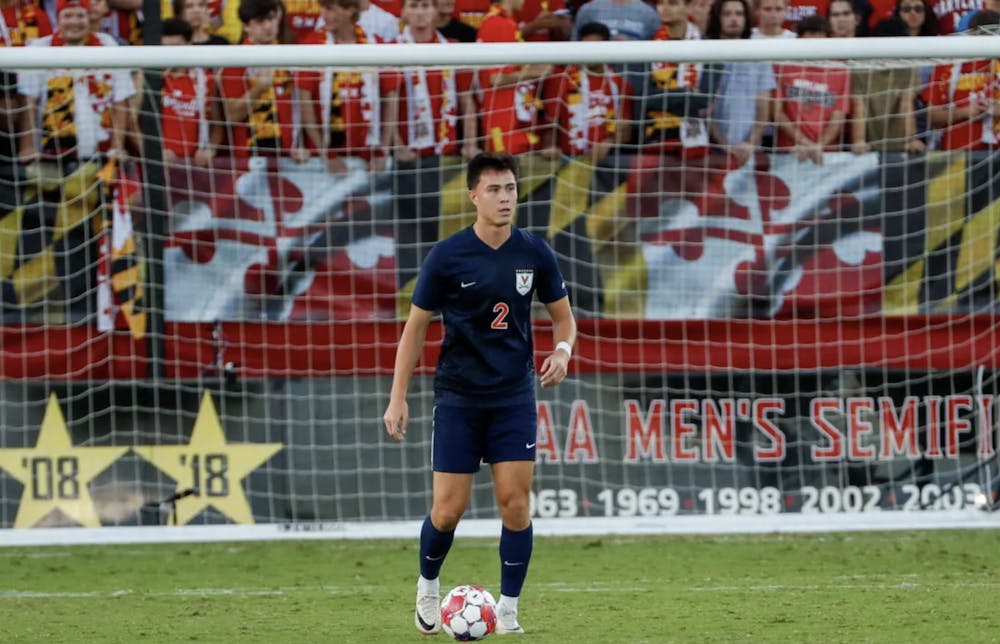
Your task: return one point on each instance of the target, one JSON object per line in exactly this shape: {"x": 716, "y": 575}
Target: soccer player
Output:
{"x": 482, "y": 280}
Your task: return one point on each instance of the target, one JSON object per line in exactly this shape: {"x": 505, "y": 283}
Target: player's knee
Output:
{"x": 515, "y": 510}
{"x": 446, "y": 519}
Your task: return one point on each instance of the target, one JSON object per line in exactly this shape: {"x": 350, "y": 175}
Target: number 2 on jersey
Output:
{"x": 501, "y": 309}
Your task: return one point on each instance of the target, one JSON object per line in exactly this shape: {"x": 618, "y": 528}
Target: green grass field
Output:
{"x": 938, "y": 586}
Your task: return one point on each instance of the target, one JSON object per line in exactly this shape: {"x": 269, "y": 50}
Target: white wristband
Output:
{"x": 565, "y": 346}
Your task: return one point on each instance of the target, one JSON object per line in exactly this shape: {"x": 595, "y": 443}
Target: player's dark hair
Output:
{"x": 497, "y": 161}
{"x": 177, "y": 27}
{"x": 594, "y": 29}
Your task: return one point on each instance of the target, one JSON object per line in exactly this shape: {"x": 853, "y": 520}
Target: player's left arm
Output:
{"x": 563, "y": 338}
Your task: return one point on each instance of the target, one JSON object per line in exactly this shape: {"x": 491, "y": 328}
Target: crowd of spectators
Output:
{"x": 413, "y": 115}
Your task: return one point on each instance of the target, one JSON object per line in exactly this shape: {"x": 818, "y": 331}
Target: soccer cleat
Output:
{"x": 507, "y": 622}
{"x": 427, "y": 615}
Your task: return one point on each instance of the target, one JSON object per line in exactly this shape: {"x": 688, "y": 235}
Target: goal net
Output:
{"x": 784, "y": 272}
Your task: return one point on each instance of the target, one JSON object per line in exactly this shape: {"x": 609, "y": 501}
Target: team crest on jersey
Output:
{"x": 523, "y": 279}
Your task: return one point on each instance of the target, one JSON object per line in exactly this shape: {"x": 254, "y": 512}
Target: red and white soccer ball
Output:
{"x": 468, "y": 613}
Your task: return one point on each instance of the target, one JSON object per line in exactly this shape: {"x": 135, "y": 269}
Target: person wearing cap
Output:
{"x": 79, "y": 114}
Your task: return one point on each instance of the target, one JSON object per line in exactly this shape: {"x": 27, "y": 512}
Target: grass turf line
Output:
{"x": 934, "y": 586}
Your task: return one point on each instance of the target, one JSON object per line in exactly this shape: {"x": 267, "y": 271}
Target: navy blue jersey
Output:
{"x": 484, "y": 295}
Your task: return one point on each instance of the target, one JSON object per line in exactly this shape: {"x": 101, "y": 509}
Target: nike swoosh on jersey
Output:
{"x": 467, "y": 284}
{"x": 529, "y": 445}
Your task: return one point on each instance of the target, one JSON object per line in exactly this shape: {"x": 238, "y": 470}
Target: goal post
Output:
{"x": 776, "y": 337}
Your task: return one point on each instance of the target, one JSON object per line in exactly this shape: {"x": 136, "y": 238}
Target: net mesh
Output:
{"x": 785, "y": 277}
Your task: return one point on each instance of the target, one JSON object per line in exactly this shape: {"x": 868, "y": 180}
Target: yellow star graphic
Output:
{"x": 211, "y": 467}
{"x": 55, "y": 474}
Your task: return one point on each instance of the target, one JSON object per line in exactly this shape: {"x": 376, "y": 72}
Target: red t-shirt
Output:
{"x": 269, "y": 127}
{"x": 950, "y": 12}
{"x": 473, "y": 12}
{"x": 881, "y": 10}
{"x": 953, "y": 85}
{"x": 392, "y": 6}
{"x": 184, "y": 108}
{"x": 25, "y": 22}
{"x": 348, "y": 107}
{"x": 509, "y": 112}
{"x": 607, "y": 103}
{"x": 530, "y": 10}
{"x": 799, "y": 9}
{"x": 809, "y": 96}
{"x": 301, "y": 16}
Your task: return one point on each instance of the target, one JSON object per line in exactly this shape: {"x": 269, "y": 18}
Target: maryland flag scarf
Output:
{"x": 59, "y": 117}
{"x": 25, "y": 26}
{"x": 119, "y": 271}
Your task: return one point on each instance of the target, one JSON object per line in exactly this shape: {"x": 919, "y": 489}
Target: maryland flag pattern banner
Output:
{"x": 61, "y": 238}
{"x": 47, "y": 244}
{"x": 640, "y": 237}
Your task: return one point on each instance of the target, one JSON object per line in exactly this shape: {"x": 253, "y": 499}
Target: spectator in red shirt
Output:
{"x": 509, "y": 94}
{"x": 544, "y": 20}
{"x": 844, "y": 24}
{"x": 812, "y": 102}
{"x": 472, "y": 12}
{"x": 588, "y": 106}
{"x": 190, "y": 116}
{"x": 303, "y": 18}
{"x": 259, "y": 103}
{"x": 964, "y": 98}
{"x": 949, "y": 13}
{"x": 23, "y": 21}
{"x": 341, "y": 110}
{"x": 799, "y": 9}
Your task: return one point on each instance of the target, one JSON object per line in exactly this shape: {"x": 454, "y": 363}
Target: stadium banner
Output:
{"x": 644, "y": 237}
{"x": 608, "y": 445}
{"x": 69, "y": 252}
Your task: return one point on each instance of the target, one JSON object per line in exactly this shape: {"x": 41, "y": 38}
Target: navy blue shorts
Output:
{"x": 465, "y": 436}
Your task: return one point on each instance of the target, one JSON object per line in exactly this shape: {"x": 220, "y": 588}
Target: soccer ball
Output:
{"x": 468, "y": 613}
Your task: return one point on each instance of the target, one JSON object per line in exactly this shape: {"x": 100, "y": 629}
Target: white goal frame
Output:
{"x": 283, "y": 56}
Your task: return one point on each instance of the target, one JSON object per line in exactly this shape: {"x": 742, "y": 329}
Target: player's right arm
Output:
{"x": 411, "y": 346}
